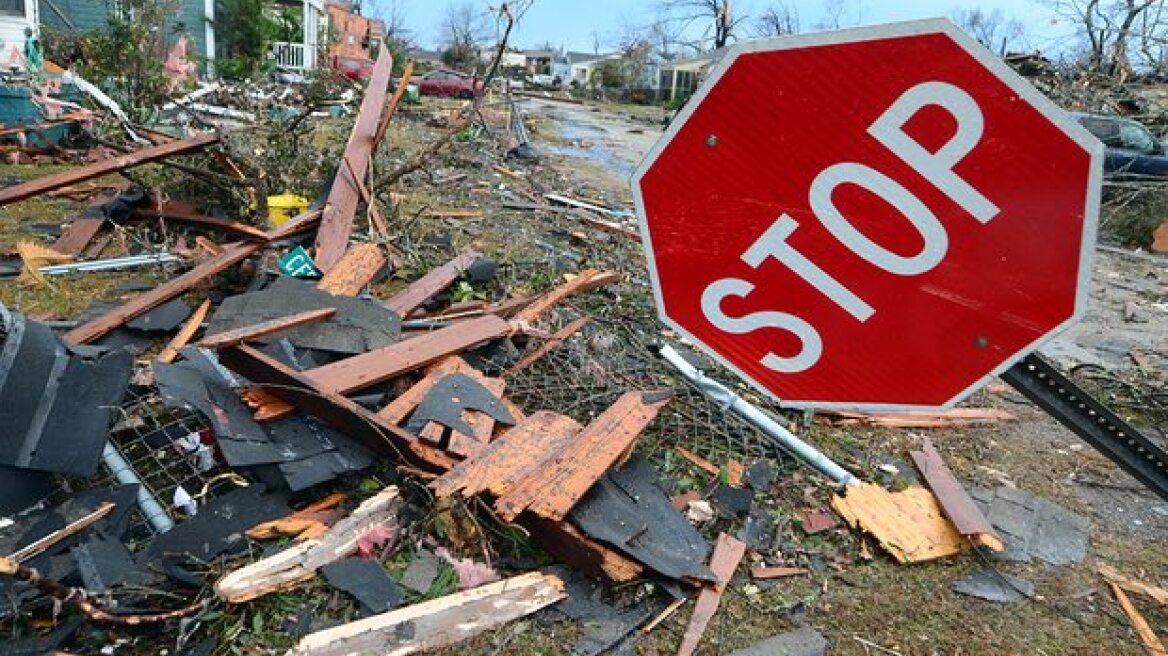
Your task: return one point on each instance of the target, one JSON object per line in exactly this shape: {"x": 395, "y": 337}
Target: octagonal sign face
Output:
{"x": 879, "y": 218}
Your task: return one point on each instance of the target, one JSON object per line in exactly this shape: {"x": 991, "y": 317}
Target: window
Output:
{"x": 12, "y": 7}
{"x": 1120, "y": 134}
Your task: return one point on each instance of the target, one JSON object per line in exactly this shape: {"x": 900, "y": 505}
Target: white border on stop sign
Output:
{"x": 1002, "y": 71}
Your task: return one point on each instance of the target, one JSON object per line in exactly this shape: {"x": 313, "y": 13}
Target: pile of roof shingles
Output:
{"x": 301, "y": 382}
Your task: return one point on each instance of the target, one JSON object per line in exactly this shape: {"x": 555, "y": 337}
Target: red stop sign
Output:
{"x": 876, "y": 218}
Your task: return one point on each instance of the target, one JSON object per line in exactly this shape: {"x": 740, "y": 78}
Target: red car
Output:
{"x": 352, "y": 68}
{"x": 449, "y": 83}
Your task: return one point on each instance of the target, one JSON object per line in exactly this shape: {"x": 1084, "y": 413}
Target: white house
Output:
{"x": 15, "y": 15}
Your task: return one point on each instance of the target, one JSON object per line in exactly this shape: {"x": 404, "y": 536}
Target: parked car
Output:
{"x": 352, "y": 67}
{"x": 1129, "y": 147}
{"x": 546, "y": 80}
{"x": 448, "y": 83}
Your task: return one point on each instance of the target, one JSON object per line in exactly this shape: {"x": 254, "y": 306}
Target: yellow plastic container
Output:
{"x": 285, "y": 206}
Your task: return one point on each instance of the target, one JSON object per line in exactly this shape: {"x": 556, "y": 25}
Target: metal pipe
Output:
{"x": 106, "y": 265}
{"x": 124, "y": 473}
{"x": 784, "y": 438}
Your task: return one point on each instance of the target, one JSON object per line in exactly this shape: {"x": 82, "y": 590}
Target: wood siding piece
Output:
{"x": 552, "y": 492}
{"x": 194, "y": 322}
{"x": 53, "y": 181}
{"x": 85, "y": 226}
{"x": 955, "y": 502}
{"x": 727, "y": 554}
{"x": 341, "y": 208}
{"x": 265, "y": 328}
{"x": 429, "y": 285}
{"x": 909, "y": 524}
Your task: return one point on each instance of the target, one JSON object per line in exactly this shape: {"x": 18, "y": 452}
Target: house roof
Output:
{"x": 697, "y": 62}
{"x": 581, "y": 57}
{"x": 540, "y": 54}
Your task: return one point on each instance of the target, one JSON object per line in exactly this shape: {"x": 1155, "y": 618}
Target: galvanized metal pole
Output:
{"x": 784, "y": 438}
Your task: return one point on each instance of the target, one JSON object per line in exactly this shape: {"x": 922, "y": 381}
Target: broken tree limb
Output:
{"x": 341, "y": 208}
{"x": 955, "y": 502}
{"x": 265, "y": 328}
{"x": 727, "y": 554}
{"x": 184, "y": 335}
{"x": 299, "y": 563}
{"x": 357, "y": 268}
{"x": 428, "y": 286}
{"x": 232, "y": 254}
{"x": 1148, "y": 637}
{"x": 47, "y": 183}
{"x": 436, "y": 623}
{"x": 567, "y": 475}
{"x": 377, "y": 366}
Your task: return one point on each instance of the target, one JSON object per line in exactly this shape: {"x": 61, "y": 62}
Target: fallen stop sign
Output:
{"x": 879, "y": 218}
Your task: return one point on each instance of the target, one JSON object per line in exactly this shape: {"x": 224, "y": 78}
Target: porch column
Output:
{"x": 209, "y": 36}
{"x": 308, "y": 22}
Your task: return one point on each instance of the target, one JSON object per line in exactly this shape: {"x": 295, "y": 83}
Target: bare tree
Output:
{"x": 993, "y": 29}
{"x": 464, "y": 28}
{"x": 777, "y": 20}
{"x": 1109, "y": 28}
{"x": 841, "y": 13}
{"x": 717, "y": 16}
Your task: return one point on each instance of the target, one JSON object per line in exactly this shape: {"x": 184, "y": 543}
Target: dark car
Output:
{"x": 449, "y": 83}
{"x": 1130, "y": 149}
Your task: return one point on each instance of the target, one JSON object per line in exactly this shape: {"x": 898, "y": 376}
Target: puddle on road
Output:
{"x": 599, "y": 153}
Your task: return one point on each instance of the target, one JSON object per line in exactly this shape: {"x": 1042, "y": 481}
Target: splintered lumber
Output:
{"x": 483, "y": 425}
{"x": 48, "y": 183}
{"x": 511, "y": 458}
{"x": 429, "y": 285}
{"x": 85, "y": 226}
{"x": 909, "y": 524}
{"x": 455, "y": 214}
{"x": 44, "y": 544}
{"x": 553, "y": 342}
{"x": 764, "y": 573}
{"x": 359, "y": 266}
{"x": 585, "y": 281}
{"x": 955, "y": 501}
{"x": 265, "y": 328}
{"x": 341, "y": 208}
{"x": 436, "y": 623}
{"x": 727, "y": 554}
{"x": 297, "y": 390}
{"x": 1114, "y": 576}
{"x": 299, "y": 563}
{"x": 309, "y": 522}
{"x": 185, "y": 334}
{"x": 180, "y": 212}
{"x": 1148, "y": 637}
{"x": 567, "y": 543}
{"x": 698, "y": 461}
{"x": 232, "y": 253}
{"x": 377, "y": 366}
{"x": 917, "y": 419}
{"x": 566, "y": 477}
{"x": 394, "y": 101}
{"x": 398, "y": 409}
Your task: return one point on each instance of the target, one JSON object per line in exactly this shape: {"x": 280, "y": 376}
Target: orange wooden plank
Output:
{"x": 558, "y": 338}
{"x": 84, "y": 226}
{"x": 727, "y": 554}
{"x": 429, "y": 285}
{"x": 264, "y": 328}
{"x": 187, "y": 213}
{"x": 564, "y": 480}
{"x": 398, "y": 409}
{"x": 567, "y": 543}
{"x": 394, "y": 101}
{"x": 356, "y": 269}
{"x": 341, "y": 208}
{"x": 955, "y": 502}
{"x": 1152, "y": 644}
{"x": 698, "y": 461}
{"x": 776, "y": 572}
{"x": 587, "y": 280}
{"x": 185, "y": 334}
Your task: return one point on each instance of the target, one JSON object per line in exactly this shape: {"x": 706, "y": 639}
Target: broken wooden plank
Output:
{"x": 357, "y": 268}
{"x": 429, "y": 285}
{"x": 1151, "y": 642}
{"x": 232, "y": 253}
{"x": 567, "y": 543}
{"x": 566, "y": 478}
{"x": 908, "y": 524}
{"x": 1114, "y": 576}
{"x": 558, "y": 338}
{"x": 341, "y": 207}
{"x": 300, "y": 562}
{"x": 917, "y": 419}
{"x": 436, "y": 623}
{"x": 394, "y": 101}
{"x": 53, "y": 181}
{"x": 192, "y": 325}
{"x": 84, "y": 226}
{"x": 265, "y": 328}
{"x": 585, "y": 281}
{"x": 511, "y": 458}
{"x": 455, "y": 214}
{"x": 727, "y": 554}
{"x": 73, "y": 528}
{"x": 377, "y": 366}
{"x": 764, "y": 573}
{"x": 955, "y": 502}
{"x": 398, "y": 409}
{"x": 697, "y": 461}
{"x": 297, "y": 390}
{"x": 188, "y": 214}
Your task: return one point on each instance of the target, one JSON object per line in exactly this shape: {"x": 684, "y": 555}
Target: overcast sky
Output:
{"x": 576, "y": 24}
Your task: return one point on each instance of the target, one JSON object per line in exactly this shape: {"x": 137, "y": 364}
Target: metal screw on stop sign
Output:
{"x": 981, "y": 342}
{"x": 712, "y": 140}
